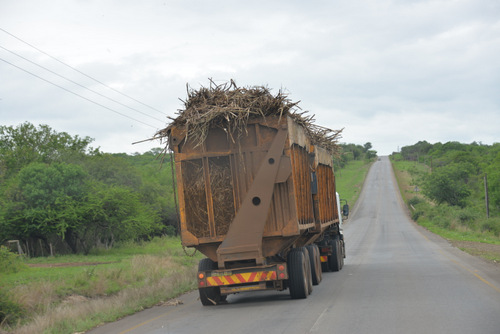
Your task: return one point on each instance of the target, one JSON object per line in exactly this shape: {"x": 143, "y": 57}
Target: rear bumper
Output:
{"x": 244, "y": 279}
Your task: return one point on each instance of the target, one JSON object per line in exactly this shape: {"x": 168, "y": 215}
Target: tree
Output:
{"x": 45, "y": 200}
{"x": 114, "y": 213}
{"x": 55, "y": 188}
{"x": 370, "y": 154}
{"x": 413, "y": 152}
{"x": 22, "y": 145}
{"x": 493, "y": 172}
{"x": 448, "y": 184}
{"x": 113, "y": 170}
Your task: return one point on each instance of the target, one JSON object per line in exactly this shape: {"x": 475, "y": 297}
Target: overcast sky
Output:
{"x": 389, "y": 72}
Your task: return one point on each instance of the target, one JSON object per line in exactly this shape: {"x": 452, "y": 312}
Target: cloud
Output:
{"x": 391, "y": 73}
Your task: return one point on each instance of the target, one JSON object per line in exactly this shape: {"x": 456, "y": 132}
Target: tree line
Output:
{"x": 350, "y": 152}
{"x": 456, "y": 176}
{"x": 60, "y": 195}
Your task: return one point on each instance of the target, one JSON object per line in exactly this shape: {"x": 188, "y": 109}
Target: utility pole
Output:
{"x": 486, "y": 195}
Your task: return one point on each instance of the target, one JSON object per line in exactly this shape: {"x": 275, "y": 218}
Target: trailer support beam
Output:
{"x": 243, "y": 240}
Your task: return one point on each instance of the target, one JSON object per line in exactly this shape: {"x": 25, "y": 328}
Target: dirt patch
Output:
{"x": 71, "y": 264}
{"x": 74, "y": 299}
{"x": 490, "y": 252}
{"x": 172, "y": 302}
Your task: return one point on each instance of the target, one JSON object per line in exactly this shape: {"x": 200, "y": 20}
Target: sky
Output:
{"x": 390, "y": 73}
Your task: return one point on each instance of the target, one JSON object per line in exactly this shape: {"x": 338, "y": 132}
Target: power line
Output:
{"x": 76, "y": 83}
{"x": 84, "y": 74}
{"x": 81, "y": 96}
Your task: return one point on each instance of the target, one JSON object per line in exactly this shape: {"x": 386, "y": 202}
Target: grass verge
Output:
{"x": 71, "y": 294}
{"x": 464, "y": 228}
{"x": 349, "y": 180}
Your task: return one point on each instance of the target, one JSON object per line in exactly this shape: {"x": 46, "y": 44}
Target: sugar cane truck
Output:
{"x": 256, "y": 192}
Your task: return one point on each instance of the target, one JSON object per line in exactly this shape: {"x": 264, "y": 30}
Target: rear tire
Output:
{"x": 308, "y": 272}
{"x": 341, "y": 254}
{"x": 334, "y": 259}
{"x": 297, "y": 273}
{"x": 343, "y": 248}
{"x": 209, "y": 296}
{"x": 315, "y": 260}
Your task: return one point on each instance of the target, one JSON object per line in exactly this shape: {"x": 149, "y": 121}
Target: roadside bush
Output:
{"x": 439, "y": 215}
{"x": 10, "y": 262}
{"x": 419, "y": 208}
{"x": 491, "y": 225}
{"x": 448, "y": 184}
{"x": 467, "y": 217}
{"x": 170, "y": 230}
{"x": 416, "y": 214}
{"x": 414, "y": 200}
{"x": 10, "y": 312}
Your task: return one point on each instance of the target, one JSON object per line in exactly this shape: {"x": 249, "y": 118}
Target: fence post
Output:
{"x": 486, "y": 195}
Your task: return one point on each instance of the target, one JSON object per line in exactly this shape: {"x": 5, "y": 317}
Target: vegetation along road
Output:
{"x": 397, "y": 278}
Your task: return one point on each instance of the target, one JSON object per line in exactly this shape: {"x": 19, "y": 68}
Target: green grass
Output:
{"x": 461, "y": 234}
{"x": 452, "y": 223}
{"x": 68, "y": 298}
{"x": 349, "y": 180}
{"x": 407, "y": 175}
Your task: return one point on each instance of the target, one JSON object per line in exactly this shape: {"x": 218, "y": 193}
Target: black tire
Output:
{"x": 209, "y": 296}
{"x": 297, "y": 274}
{"x": 341, "y": 254}
{"x": 343, "y": 248}
{"x": 318, "y": 259}
{"x": 315, "y": 260}
{"x": 308, "y": 271}
{"x": 324, "y": 267}
{"x": 334, "y": 259}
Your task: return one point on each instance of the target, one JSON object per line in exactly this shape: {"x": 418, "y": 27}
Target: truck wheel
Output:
{"x": 315, "y": 264}
{"x": 209, "y": 296}
{"x": 334, "y": 259}
{"x": 318, "y": 259}
{"x": 343, "y": 248}
{"x": 341, "y": 254}
{"x": 309, "y": 271}
{"x": 297, "y": 273}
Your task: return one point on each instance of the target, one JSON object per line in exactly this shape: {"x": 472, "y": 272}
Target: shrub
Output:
{"x": 170, "y": 230}
{"x": 414, "y": 200}
{"x": 10, "y": 312}
{"x": 439, "y": 215}
{"x": 491, "y": 225}
{"x": 9, "y": 262}
{"x": 416, "y": 214}
{"x": 448, "y": 184}
{"x": 467, "y": 217}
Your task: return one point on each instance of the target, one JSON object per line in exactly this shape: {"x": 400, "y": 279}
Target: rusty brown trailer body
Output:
{"x": 250, "y": 194}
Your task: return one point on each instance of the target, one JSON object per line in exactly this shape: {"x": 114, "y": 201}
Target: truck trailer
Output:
{"x": 256, "y": 192}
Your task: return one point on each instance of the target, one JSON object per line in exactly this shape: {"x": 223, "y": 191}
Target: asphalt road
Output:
{"x": 397, "y": 278}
